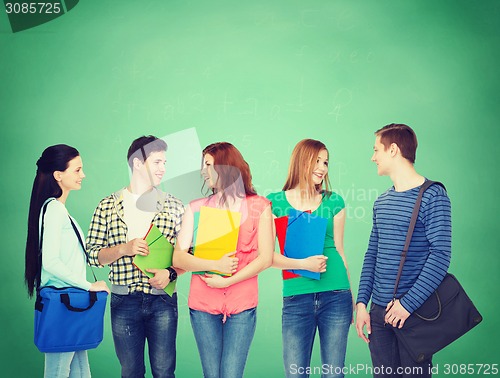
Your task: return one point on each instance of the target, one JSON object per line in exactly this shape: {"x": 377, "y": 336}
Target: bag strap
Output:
{"x": 83, "y": 245}
{"x": 411, "y": 227}
{"x": 65, "y": 299}
{"x": 39, "y": 273}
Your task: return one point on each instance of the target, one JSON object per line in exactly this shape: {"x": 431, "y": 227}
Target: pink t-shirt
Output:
{"x": 243, "y": 295}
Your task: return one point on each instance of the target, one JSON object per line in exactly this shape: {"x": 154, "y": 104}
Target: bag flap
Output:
{"x": 446, "y": 291}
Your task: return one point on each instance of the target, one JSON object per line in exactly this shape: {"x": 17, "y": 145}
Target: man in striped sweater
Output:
{"x": 427, "y": 260}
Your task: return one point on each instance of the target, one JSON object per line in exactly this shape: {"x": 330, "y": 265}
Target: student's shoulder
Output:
{"x": 172, "y": 200}
{"x": 109, "y": 201}
{"x": 332, "y": 198}
{"x": 435, "y": 194}
{"x": 277, "y": 198}
{"x": 436, "y": 189}
{"x": 54, "y": 207}
{"x": 259, "y": 201}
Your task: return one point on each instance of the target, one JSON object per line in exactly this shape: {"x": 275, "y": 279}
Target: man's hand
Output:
{"x": 362, "y": 319}
{"x": 396, "y": 313}
{"x": 161, "y": 278}
{"x": 134, "y": 247}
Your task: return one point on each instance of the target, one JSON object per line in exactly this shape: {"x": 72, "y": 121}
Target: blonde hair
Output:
{"x": 300, "y": 170}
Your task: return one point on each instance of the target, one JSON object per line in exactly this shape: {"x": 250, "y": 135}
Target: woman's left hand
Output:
{"x": 215, "y": 281}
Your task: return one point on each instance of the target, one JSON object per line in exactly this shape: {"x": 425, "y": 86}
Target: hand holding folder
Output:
{"x": 216, "y": 233}
{"x": 160, "y": 255}
{"x": 304, "y": 236}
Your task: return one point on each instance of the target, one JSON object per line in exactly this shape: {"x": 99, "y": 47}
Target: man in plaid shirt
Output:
{"x": 140, "y": 309}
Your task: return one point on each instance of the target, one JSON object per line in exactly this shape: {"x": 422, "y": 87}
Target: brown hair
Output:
{"x": 301, "y": 168}
{"x": 403, "y": 136}
{"x": 230, "y": 167}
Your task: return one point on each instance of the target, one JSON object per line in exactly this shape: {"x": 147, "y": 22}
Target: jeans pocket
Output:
{"x": 116, "y": 300}
{"x": 170, "y": 300}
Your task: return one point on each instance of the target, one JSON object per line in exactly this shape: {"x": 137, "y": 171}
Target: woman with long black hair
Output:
{"x": 62, "y": 263}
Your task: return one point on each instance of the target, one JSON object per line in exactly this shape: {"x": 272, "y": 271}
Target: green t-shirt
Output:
{"x": 335, "y": 277}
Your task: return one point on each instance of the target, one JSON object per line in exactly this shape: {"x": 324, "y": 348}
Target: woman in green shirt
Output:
{"x": 324, "y": 304}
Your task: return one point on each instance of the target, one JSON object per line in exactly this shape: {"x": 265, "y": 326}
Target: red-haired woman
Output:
{"x": 223, "y": 309}
{"x": 310, "y": 304}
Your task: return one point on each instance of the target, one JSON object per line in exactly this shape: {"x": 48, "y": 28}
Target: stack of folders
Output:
{"x": 215, "y": 233}
{"x": 300, "y": 235}
{"x": 160, "y": 255}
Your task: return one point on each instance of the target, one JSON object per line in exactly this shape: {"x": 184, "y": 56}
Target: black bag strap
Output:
{"x": 66, "y": 301}
{"x": 83, "y": 245}
{"x": 39, "y": 273}
{"x": 411, "y": 227}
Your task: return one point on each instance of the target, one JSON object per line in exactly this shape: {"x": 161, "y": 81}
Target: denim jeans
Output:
{"x": 331, "y": 313}
{"x": 223, "y": 347}
{"x": 138, "y": 317}
{"x": 67, "y": 364}
{"x": 388, "y": 357}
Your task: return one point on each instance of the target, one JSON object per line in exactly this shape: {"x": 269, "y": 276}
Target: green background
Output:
{"x": 262, "y": 75}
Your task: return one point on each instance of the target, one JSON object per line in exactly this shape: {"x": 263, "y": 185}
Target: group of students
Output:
{"x": 223, "y": 307}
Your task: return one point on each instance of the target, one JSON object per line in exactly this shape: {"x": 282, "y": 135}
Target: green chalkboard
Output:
{"x": 263, "y": 75}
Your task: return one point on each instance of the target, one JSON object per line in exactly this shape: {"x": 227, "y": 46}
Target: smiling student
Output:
{"x": 140, "y": 308}
{"x": 308, "y": 304}
{"x": 62, "y": 262}
{"x": 429, "y": 253}
{"x": 223, "y": 309}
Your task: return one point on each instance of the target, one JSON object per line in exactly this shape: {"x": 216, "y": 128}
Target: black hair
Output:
{"x": 54, "y": 158}
{"x": 143, "y": 146}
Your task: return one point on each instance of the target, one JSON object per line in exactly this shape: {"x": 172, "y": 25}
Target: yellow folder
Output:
{"x": 217, "y": 233}
{"x": 160, "y": 255}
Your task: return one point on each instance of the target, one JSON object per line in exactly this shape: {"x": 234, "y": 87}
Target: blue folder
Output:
{"x": 305, "y": 237}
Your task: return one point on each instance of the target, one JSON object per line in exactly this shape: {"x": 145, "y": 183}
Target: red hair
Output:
{"x": 230, "y": 167}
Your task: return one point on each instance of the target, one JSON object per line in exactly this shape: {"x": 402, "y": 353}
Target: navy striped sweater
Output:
{"x": 428, "y": 256}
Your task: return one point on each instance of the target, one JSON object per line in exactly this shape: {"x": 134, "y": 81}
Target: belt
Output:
{"x": 124, "y": 290}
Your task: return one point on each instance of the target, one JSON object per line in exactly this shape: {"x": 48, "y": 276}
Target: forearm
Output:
{"x": 255, "y": 267}
{"x": 109, "y": 255}
{"x": 282, "y": 262}
{"x": 187, "y": 262}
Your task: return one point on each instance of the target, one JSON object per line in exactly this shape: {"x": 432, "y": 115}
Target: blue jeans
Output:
{"x": 223, "y": 347}
{"x": 138, "y": 317}
{"x": 67, "y": 364}
{"x": 387, "y": 353}
{"x": 331, "y": 313}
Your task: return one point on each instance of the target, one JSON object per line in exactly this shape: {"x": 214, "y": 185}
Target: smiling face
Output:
{"x": 154, "y": 167}
{"x": 71, "y": 178}
{"x": 321, "y": 167}
{"x": 208, "y": 171}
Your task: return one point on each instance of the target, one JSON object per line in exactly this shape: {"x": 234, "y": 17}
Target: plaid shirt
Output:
{"x": 108, "y": 229}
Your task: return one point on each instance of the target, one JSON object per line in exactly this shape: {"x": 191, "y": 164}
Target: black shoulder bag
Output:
{"x": 445, "y": 316}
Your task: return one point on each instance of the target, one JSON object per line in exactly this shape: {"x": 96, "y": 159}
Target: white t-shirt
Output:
{"x": 138, "y": 220}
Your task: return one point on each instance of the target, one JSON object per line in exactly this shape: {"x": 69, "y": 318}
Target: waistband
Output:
{"x": 124, "y": 290}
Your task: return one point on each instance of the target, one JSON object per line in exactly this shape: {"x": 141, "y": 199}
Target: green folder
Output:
{"x": 160, "y": 255}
